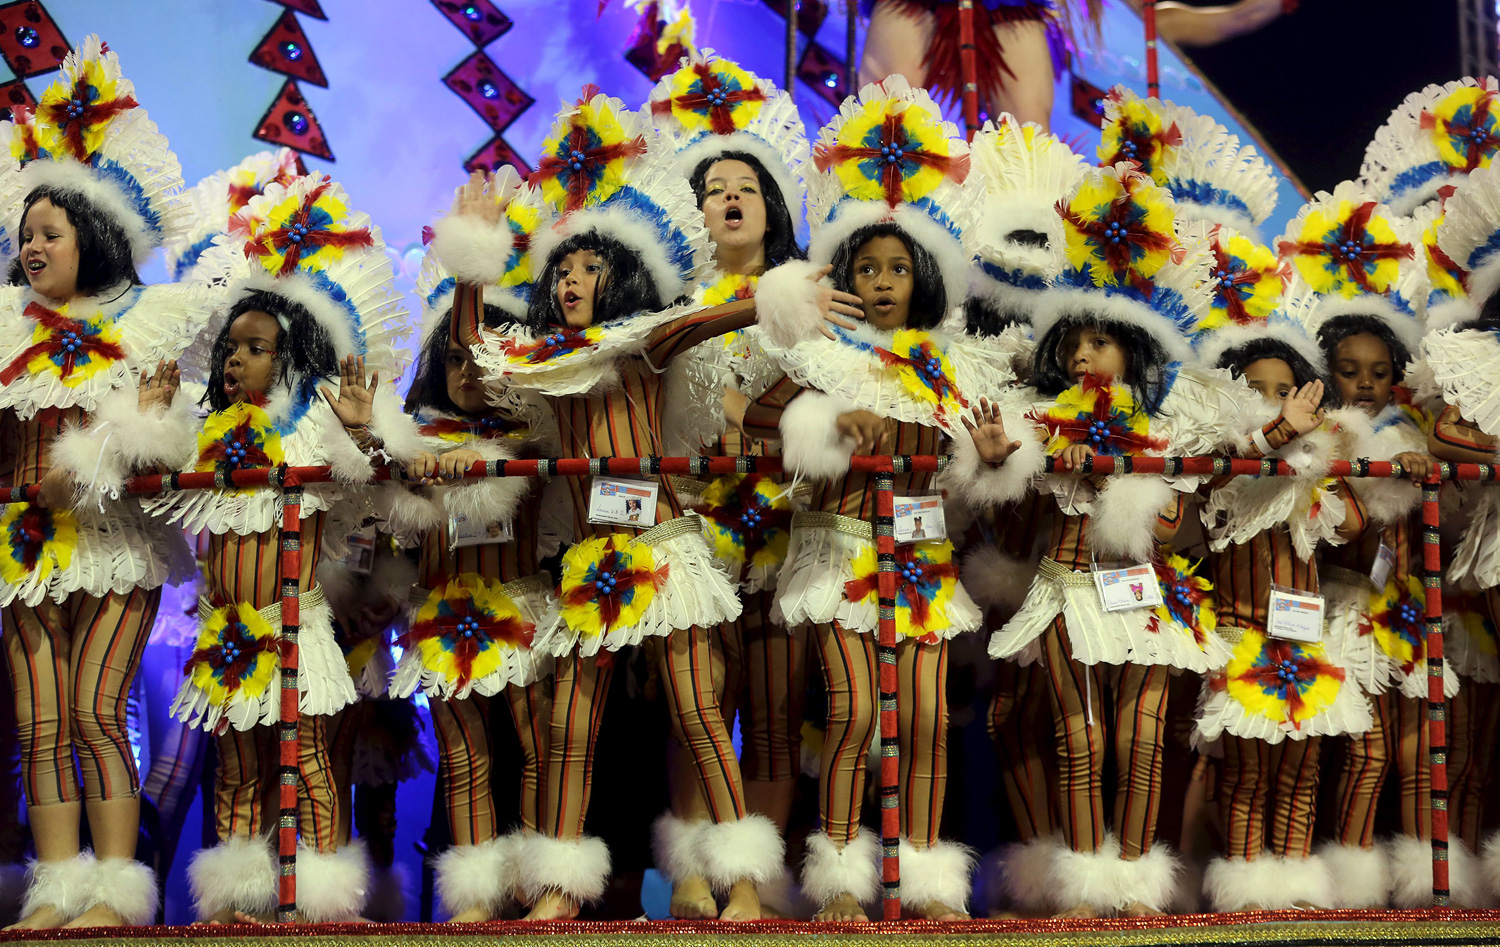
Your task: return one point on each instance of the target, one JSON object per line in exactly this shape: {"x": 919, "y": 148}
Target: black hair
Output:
{"x": 983, "y": 318}
{"x": 429, "y": 386}
{"x": 929, "y": 300}
{"x": 1339, "y": 328}
{"x": 781, "y": 230}
{"x": 1489, "y": 315}
{"x": 1242, "y": 357}
{"x": 305, "y": 353}
{"x": 624, "y": 288}
{"x": 104, "y": 257}
{"x": 1146, "y": 360}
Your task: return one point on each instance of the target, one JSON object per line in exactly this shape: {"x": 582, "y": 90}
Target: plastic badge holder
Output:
{"x": 1295, "y": 616}
{"x": 1127, "y": 588}
{"x": 1380, "y": 572}
{"x": 919, "y": 519}
{"x": 622, "y": 502}
{"x": 466, "y": 532}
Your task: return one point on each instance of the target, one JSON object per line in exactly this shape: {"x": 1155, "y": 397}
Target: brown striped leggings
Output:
{"x": 580, "y": 687}
{"x": 849, "y": 673}
{"x": 1078, "y": 694}
{"x": 1398, "y": 736}
{"x": 1019, "y": 729}
{"x": 1258, "y": 777}
{"x": 246, "y": 786}
{"x": 1473, "y": 728}
{"x": 71, "y": 666}
{"x": 463, "y": 735}
{"x": 749, "y": 665}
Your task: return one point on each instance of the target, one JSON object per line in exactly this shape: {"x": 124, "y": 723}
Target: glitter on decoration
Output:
{"x": 285, "y": 49}
{"x": 27, "y": 36}
{"x": 295, "y": 122}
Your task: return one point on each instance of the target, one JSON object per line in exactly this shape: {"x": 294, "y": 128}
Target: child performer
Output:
{"x": 1460, "y": 350}
{"x": 620, "y": 238}
{"x": 887, "y": 214}
{"x": 92, "y": 194}
{"x": 480, "y": 597}
{"x": 304, "y": 280}
{"x": 1284, "y": 688}
{"x": 1112, "y": 339}
{"x": 1018, "y": 173}
{"x": 742, "y": 147}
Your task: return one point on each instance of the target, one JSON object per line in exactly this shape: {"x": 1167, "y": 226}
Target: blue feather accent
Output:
{"x": 1201, "y": 192}
{"x": 679, "y": 250}
{"x": 1018, "y": 278}
{"x": 1484, "y": 251}
{"x": 338, "y": 297}
{"x": 1414, "y": 178}
{"x": 134, "y": 193}
{"x": 442, "y": 289}
{"x": 190, "y": 257}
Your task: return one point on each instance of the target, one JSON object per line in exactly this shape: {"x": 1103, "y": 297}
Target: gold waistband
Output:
{"x": 310, "y": 599}
{"x": 1232, "y": 634}
{"x": 673, "y": 528}
{"x": 695, "y": 487}
{"x": 812, "y": 519}
{"x": 516, "y": 588}
{"x": 1054, "y": 571}
{"x": 1328, "y": 573}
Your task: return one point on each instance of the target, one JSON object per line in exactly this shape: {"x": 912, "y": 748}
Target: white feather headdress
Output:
{"x": 1435, "y": 137}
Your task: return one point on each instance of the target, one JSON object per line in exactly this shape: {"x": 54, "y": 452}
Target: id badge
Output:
{"x": 1295, "y": 616}
{"x": 623, "y": 502}
{"x": 1128, "y": 588}
{"x": 466, "y": 532}
{"x": 1380, "y": 572}
{"x": 919, "y": 519}
{"x": 361, "y": 557}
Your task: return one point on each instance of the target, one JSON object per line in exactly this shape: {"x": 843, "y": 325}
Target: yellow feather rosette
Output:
{"x": 236, "y": 656}
{"x": 37, "y": 542}
{"x": 607, "y": 583}
{"x": 1284, "y": 681}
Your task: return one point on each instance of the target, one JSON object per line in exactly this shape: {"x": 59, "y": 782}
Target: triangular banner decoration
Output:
{"x": 290, "y": 122}
{"x": 12, "y": 94}
{"x": 310, "y": 7}
{"x": 29, "y": 39}
{"x": 479, "y": 20}
{"x": 488, "y": 90}
{"x": 285, "y": 49}
{"x": 495, "y": 154}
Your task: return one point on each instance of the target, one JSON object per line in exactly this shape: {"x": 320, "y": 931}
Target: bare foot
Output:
{"x": 744, "y": 903}
{"x": 43, "y": 918}
{"x": 553, "y": 906}
{"x": 1078, "y": 911}
{"x": 938, "y": 911}
{"x": 232, "y": 916}
{"x": 97, "y": 916}
{"x": 472, "y": 916}
{"x": 1138, "y": 909}
{"x": 842, "y": 908}
{"x": 693, "y": 900}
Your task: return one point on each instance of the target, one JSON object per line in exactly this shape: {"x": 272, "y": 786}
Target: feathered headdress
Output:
{"x": 1351, "y": 256}
{"x": 710, "y": 106}
{"x": 300, "y": 240}
{"x": 889, "y": 157}
{"x": 1447, "y": 282}
{"x": 1469, "y": 237}
{"x": 88, "y": 135}
{"x": 1249, "y": 290}
{"x": 1124, "y": 261}
{"x": 1436, "y": 135}
{"x": 218, "y": 197}
{"x": 606, "y": 169}
{"x": 1212, "y": 177}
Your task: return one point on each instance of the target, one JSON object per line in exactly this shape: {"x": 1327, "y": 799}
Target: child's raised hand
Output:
{"x": 1418, "y": 466}
{"x": 355, "y": 403}
{"x": 422, "y": 467}
{"x": 157, "y": 390}
{"x": 1301, "y": 408}
{"x": 475, "y": 200}
{"x": 988, "y": 432}
{"x": 454, "y": 464}
{"x": 866, "y": 428}
{"x": 838, "y": 309}
{"x": 1072, "y": 458}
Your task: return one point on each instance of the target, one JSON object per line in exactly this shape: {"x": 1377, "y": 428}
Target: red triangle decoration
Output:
{"x": 483, "y": 84}
{"x": 494, "y": 155}
{"x": 309, "y": 7}
{"x": 12, "y": 94}
{"x": 479, "y": 20}
{"x": 290, "y": 122}
{"x": 29, "y": 39}
{"x": 488, "y": 90}
{"x": 285, "y": 49}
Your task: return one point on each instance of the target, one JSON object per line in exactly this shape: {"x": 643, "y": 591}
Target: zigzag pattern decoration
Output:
{"x": 481, "y": 83}
{"x": 289, "y": 121}
{"x": 31, "y": 45}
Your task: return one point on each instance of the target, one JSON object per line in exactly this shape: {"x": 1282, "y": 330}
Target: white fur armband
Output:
{"x": 811, "y": 445}
{"x": 1123, "y": 522}
{"x": 493, "y": 499}
{"x": 786, "y": 304}
{"x": 473, "y": 251}
{"x": 979, "y": 484}
{"x": 120, "y": 439}
{"x": 395, "y": 429}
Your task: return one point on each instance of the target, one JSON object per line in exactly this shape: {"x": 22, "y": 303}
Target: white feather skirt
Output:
{"x": 1476, "y": 560}
{"x": 1139, "y": 636}
{"x": 114, "y": 549}
{"x": 1347, "y": 598}
{"x": 1469, "y": 641}
{"x": 696, "y": 591}
{"x": 519, "y": 666}
{"x": 323, "y": 683}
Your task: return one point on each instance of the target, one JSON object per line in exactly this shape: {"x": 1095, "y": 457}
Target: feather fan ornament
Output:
{"x": 926, "y": 577}
{"x": 35, "y": 541}
{"x": 748, "y": 519}
{"x": 466, "y": 629}
{"x": 1283, "y": 681}
{"x": 607, "y": 582}
{"x": 1435, "y": 137}
{"x": 1100, "y": 414}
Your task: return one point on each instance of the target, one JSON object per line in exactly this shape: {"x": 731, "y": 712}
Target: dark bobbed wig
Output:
{"x": 983, "y": 318}
{"x": 624, "y": 289}
{"x": 305, "y": 354}
{"x": 1146, "y": 367}
{"x": 429, "y": 386}
{"x": 1339, "y": 328}
{"x": 1242, "y": 357}
{"x": 929, "y": 300}
{"x": 104, "y": 259}
{"x": 781, "y": 231}
{"x": 1489, "y": 315}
